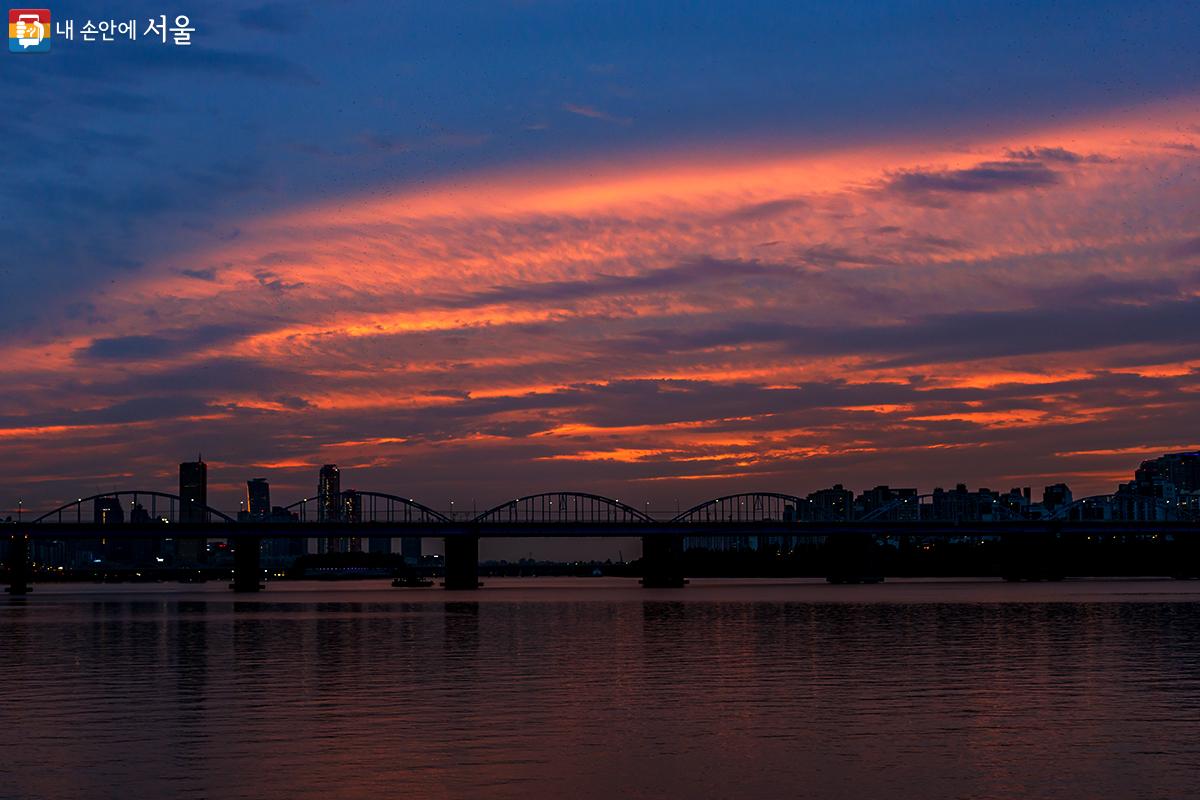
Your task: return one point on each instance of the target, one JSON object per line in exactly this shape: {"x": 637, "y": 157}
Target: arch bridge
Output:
{"x": 563, "y": 507}
{"x": 755, "y": 507}
{"x": 147, "y": 513}
{"x": 366, "y": 506}
{"x": 163, "y": 508}
{"x": 917, "y": 507}
{"x": 1125, "y": 507}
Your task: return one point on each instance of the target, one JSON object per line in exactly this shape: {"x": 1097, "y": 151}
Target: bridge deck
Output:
{"x": 500, "y": 530}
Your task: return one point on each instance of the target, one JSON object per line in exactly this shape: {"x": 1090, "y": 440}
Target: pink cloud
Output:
{"x": 927, "y": 312}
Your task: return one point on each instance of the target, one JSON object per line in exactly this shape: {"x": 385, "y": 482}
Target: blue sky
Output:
{"x": 120, "y": 147}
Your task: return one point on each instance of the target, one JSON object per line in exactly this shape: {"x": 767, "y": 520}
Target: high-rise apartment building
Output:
{"x": 193, "y": 505}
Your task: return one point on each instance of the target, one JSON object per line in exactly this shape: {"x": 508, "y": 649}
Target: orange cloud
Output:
{"x": 774, "y": 313}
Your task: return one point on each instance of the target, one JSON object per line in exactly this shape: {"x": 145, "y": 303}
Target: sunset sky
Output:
{"x": 470, "y": 251}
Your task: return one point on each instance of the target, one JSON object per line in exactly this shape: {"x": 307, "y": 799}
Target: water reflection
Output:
{"x": 729, "y": 691}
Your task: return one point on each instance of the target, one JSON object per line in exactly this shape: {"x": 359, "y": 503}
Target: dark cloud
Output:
{"x": 292, "y": 402}
{"x": 205, "y": 274}
{"x": 1056, "y": 154}
{"x": 1101, "y": 290}
{"x": 986, "y": 178}
{"x": 83, "y": 309}
{"x": 766, "y": 210}
{"x": 680, "y": 277}
{"x": 970, "y": 336}
{"x": 230, "y": 373}
{"x": 914, "y": 242}
{"x": 276, "y": 283}
{"x": 959, "y": 336}
{"x": 283, "y": 258}
{"x": 826, "y": 255}
{"x": 1186, "y": 249}
{"x": 165, "y": 344}
{"x": 140, "y": 409}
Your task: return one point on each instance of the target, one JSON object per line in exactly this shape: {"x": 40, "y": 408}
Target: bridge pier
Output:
{"x": 462, "y": 562}
{"x": 1185, "y": 557}
{"x": 247, "y": 568}
{"x": 662, "y": 562}
{"x": 20, "y": 575}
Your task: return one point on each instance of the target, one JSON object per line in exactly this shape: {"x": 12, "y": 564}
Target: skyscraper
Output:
{"x": 1055, "y": 495}
{"x": 193, "y": 500}
{"x": 329, "y": 494}
{"x": 1169, "y": 475}
{"x": 258, "y": 499}
{"x": 329, "y": 502}
{"x": 108, "y": 511}
{"x": 193, "y": 491}
{"x": 351, "y": 512}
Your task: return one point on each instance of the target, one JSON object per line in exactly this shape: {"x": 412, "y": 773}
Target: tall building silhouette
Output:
{"x": 351, "y": 512}
{"x": 329, "y": 494}
{"x": 1168, "y": 475}
{"x": 258, "y": 499}
{"x": 1055, "y": 495}
{"x": 193, "y": 500}
{"x": 329, "y": 503}
{"x": 193, "y": 491}
{"x": 834, "y": 503}
{"x": 108, "y": 511}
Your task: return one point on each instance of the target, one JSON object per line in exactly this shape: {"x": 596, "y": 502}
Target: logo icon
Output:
{"x": 29, "y": 30}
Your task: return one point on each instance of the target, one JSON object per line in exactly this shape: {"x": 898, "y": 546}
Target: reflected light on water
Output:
{"x": 591, "y": 689}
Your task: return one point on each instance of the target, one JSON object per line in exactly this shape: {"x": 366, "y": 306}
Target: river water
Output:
{"x": 596, "y": 688}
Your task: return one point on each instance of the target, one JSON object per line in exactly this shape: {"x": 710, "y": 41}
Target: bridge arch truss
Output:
{"x": 366, "y": 506}
{"x": 1131, "y": 507}
{"x": 574, "y": 507}
{"x": 158, "y": 505}
{"x": 748, "y": 507}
